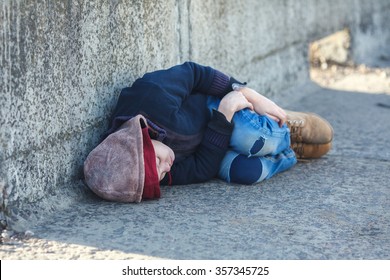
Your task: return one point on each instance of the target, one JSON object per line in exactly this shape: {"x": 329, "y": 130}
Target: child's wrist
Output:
{"x": 226, "y": 111}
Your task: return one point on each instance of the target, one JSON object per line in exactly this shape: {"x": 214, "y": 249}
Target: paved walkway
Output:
{"x": 337, "y": 207}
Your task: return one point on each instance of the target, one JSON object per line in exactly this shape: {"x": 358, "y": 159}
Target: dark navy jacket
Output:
{"x": 175, "y": 99}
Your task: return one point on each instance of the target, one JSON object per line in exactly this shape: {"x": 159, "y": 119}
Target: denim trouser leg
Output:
{"x": 259, "y": 148}
{"x": 238, "y": 168}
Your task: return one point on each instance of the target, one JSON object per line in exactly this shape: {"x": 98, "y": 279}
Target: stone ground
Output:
{"x": 337, "y": 207}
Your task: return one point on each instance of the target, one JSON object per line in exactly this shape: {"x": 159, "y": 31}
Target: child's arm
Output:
{"x": 203, "y": 164}
{"x": 263, "y": 105}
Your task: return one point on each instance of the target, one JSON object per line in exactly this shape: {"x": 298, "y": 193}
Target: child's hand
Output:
{"x": 233, "y": 102}
{"x": 264, "y": 106}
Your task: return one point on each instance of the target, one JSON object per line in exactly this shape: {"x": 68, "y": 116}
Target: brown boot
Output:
{"x": 308, "y": 128}
{"x": 310, "y": 151}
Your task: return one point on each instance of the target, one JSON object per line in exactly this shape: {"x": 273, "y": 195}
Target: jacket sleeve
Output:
{"x": 204, "y": 164}
{"x": 188, "y": 78}
{"x": 170, "y": 87}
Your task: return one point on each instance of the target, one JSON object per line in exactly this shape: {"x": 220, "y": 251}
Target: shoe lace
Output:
{"x": 295, "y": 127}
{"x": 298, "y": 149}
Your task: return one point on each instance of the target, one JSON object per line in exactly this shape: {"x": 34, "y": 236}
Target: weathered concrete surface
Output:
{"x": 370, "y": 44}
{"x": 64, "y": 62}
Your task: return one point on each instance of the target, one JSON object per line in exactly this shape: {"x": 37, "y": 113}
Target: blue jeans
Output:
{"x": 259, "y": 148}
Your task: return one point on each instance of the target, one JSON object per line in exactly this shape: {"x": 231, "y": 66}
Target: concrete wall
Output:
{"x": 63, "y": 64}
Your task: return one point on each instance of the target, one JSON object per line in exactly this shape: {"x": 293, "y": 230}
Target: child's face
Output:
{"x": 164, "y": 158}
